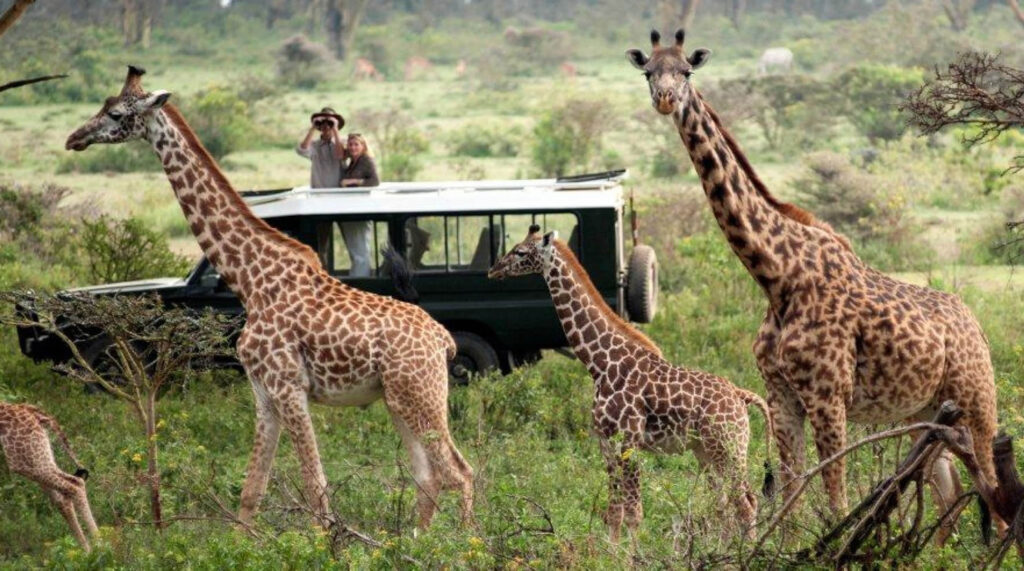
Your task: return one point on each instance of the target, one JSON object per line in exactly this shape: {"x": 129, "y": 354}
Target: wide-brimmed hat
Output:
{"x": 329, "y": 112}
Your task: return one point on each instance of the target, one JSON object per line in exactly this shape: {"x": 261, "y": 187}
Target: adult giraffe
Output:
{"x": 307, "y": 336}
{"x": 840, "y": 341}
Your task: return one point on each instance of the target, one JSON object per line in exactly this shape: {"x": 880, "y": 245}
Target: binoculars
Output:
{"x": 321, "y": 122}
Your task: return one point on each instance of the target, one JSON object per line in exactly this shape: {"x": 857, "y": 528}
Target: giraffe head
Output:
{"x": 123, "y": 117}
{"x": 668, "y": 71}
{"x": 527, "y": 257}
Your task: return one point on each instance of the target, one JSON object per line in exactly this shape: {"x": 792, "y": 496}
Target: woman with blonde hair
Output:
{"x": 361, "y": 169}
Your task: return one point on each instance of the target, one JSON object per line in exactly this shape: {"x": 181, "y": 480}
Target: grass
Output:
{"x": 527, "y": 435}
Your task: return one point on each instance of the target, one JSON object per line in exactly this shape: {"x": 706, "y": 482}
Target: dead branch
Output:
{"x": 22, "y": 82}
{"x": 974, "y": 91}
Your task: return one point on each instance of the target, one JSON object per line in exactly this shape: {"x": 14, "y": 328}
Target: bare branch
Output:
{"x": 13, "y": 13}
{"x": 22, "y": 82}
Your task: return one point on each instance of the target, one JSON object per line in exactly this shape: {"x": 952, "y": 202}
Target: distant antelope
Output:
{"x": 417, "y": 67}
{"x": 364, "y": 69}
{"x": 461, "y": 68}
{"x": 775, "y": 59}
{"x": 568, "y": 69}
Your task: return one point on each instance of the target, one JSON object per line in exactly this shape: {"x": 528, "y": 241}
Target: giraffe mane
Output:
{"x": 210, "y": 165}
{"x": 583, "y": 278}
{"x": 789, "y": 210}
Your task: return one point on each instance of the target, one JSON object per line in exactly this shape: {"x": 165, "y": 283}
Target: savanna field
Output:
{"x": 827, "y": 135}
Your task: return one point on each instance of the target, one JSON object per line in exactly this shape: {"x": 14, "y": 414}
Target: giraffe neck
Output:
{"x": 238, "y": 243}
{"x": 590, "y": 326}
{"x": 763, "y": 232}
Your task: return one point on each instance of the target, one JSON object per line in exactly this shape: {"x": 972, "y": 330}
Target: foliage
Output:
{"x": 134, "y": 156}
{"x": 793, "y": 112}
{"x": 873, "y": 94}
{"x": 125, "y": 250}
{"x": 669, "y": 157}
{"x": 666, "y": 218}
{"x": 301, "y": 63}
{"x": 398, "y": 142}
{"x": 37, "y": 232}
{"x": 474, "y": 141}
{"x": 221, "y": 119}
{"x": 147, "y": 347}
{"x": 569, "y": 136}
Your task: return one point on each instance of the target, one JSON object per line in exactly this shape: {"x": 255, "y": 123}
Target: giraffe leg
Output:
{"x": 722, "y": 451}
{"x": 633, "y": 507}
{"x": 81, "y": 501}
{"x": 427, "y": 484}
{"x": 788, "y": 420}
{"x": 425, "y": 416}
{"x": 67, "y": 509}
{"x": 297, "y": 421}
{"x": 257, "y": 474}
{"x": 946, "y": 489}
{"x": 615, "y": 512}
{"x": 829, "y": 423}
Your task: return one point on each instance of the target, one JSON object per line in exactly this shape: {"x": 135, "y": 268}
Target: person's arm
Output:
{"x": 339, "y": 147}
{"x": 365, "y": 174}
{"x": 303, "y": 148}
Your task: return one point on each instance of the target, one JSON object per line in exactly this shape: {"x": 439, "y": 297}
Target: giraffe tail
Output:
{"x": 750, "y": 398}
{"x": 53, "y": 426}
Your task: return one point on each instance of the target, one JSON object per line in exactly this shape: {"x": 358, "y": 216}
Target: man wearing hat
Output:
{"x": 326, "y": 153}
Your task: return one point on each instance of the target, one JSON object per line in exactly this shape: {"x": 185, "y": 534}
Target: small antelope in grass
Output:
{"x": 641, "y": 401}
{"x": 26, "y": 444}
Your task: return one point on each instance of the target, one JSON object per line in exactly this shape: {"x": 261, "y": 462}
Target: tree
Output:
{"x": 1017, "y": 11}
{"x": 958, "y": 12}
{"x": 137, "y": 18}
{"x": 974, "y": 91}
{"x": 340, "y": 23}
{"x": 131, "y": 347}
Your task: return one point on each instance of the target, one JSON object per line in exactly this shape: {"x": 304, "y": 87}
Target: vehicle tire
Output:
{"x": 642, "y": 285}
{"x": 473, "y": 356}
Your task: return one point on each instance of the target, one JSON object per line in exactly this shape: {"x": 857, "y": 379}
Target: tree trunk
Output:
{"x": 152, "y": 469}
{"x": 958, "y": 12}
{"x": 736, "y": 10}
{"x": 13, "y": 13}
{"x": 129, "y": 15}
{"x": 340, "y": 23}
{"x": 1017, "y": 11}
{"x": 689, "y": 11}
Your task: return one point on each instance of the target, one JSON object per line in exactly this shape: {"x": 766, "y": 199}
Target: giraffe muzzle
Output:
{"x": 665, "y": 103}
{"x": 76, "y": 142}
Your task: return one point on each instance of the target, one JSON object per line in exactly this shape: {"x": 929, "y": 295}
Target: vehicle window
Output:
{"x": 352, "y": 248}
{"x": 425, "y": 243}
{"x": 470, "y": 243}
{"x": 516, "y": 225}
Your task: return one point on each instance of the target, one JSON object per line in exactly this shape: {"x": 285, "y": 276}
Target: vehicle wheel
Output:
{"x": 473, "y": 356}
{"x": 642, "y": 285}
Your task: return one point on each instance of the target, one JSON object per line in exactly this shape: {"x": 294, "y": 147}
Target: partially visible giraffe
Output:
{"x": 307, "y": 336}
{"x": 840, "y": 340}
{"x": 641, "y": 401}
{"x": 26, "y": 444}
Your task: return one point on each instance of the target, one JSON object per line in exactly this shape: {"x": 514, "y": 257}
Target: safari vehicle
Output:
{"x": 449, "y": 234}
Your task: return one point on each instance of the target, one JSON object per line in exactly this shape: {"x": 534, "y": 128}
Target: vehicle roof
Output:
{"x": 602, "y": 190}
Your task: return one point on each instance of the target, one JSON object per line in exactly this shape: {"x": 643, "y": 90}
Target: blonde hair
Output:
{"x": 362, "y": 140}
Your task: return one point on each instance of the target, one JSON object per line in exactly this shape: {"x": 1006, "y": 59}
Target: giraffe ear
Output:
{"x": 549, "y": 238}
{"x": 155, "y": 100}
{"x": 636, "y": 57}
{"x": 699, "y": 57}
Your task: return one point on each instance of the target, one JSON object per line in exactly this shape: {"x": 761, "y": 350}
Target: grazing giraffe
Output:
{"x": 26, "y": 444}
{"x": 307, "y": 337}
{"x": 639, "y": 397}
{"x": 840, "y": 340}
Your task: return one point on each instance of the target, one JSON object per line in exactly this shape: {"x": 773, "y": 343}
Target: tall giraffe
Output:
{"x": 307, "y": 337}
{"x": 840, "y": 341}
{"x": 26, "y": 444}
{"x": 641, "y": 401}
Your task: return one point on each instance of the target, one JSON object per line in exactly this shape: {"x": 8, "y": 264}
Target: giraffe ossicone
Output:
{"x": 840, "y": 341}
{"x": 641, "y": 401}
{"x": 307, "y": 337}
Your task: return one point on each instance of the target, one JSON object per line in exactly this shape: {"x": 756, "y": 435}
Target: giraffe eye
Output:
{"x": 114, "y": 115}
{"x": 687, "y": 74}
{"x": 519, "y": 253}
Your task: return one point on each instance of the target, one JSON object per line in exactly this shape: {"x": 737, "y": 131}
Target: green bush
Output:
{"x": 873, "y": 94}
{"x": 38, "y": 237}
{"x": 569, "y": 136}
{"x": 396, "y": 141}
{"x": 221, "y": 119}
{"x": 135, "y": 156}
{"x": 302, "y": 63}
{"x": 125, "y": 250}
{"x": 473, "y": 141}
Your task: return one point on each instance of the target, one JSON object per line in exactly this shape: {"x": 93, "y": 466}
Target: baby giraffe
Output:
{"x": 26, "y": 444}
{"x": 641, "y": 401}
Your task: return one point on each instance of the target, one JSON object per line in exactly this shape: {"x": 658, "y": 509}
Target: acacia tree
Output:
{"x": 131, "y": 347}
{"x": 974, "y": 91}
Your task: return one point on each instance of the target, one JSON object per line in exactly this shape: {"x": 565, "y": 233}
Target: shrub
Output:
{"x": 398, "y": 141}
{"x": 124, "y": 250}
{"x": 221, "y": 119}
{"x": 132, "y": 157}
{"x": 569, "y": 136}
{"x": 669, "y": 158}
{"x": 873, "y": 94}
{"x": 35, "y": 228}
{"x": 471, "y": 141}
{"x": 665, "y": 219}
{"x": 301, "y": 63}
